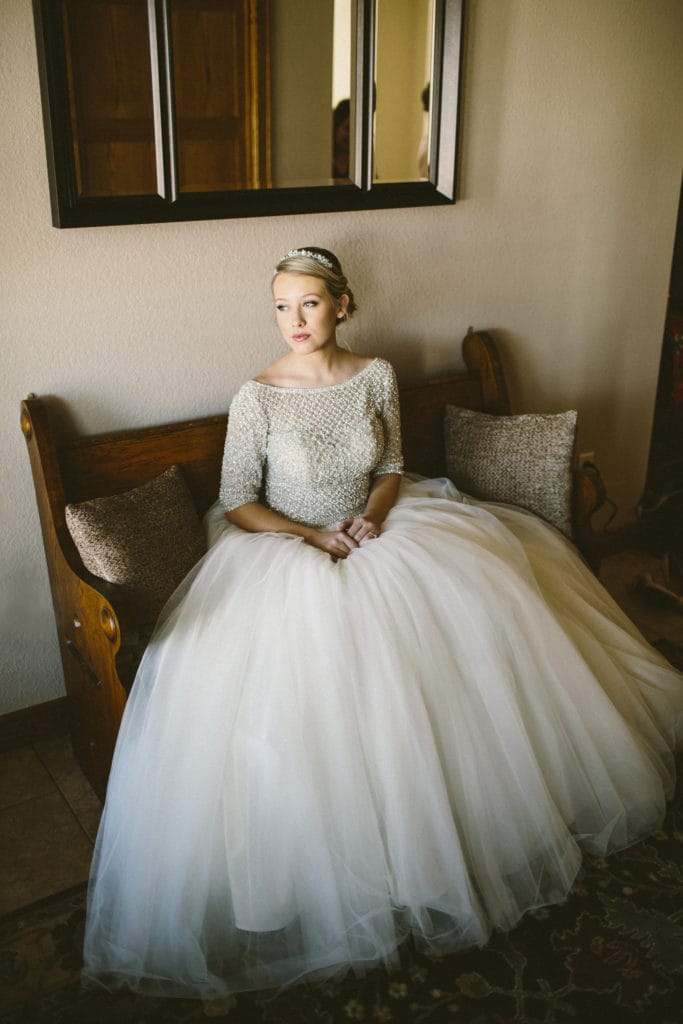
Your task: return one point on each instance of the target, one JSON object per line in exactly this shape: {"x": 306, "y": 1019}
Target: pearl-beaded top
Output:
{"x": 312, "y": 453}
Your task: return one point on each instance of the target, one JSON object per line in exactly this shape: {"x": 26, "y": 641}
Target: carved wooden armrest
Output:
{"x": 117, "y": 611}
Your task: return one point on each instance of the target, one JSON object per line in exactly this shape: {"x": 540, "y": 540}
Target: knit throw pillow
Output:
{"x": 147, "y": 539}
{"x": 520, "y": 460}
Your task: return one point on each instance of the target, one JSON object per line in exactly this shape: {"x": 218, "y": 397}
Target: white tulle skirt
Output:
{"x": 319, "y": 760}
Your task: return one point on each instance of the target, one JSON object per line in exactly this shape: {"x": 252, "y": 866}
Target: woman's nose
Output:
{"x": 297, "y": 318}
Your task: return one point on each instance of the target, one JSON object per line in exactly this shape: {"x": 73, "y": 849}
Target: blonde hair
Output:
{"x": 323, "y": 264}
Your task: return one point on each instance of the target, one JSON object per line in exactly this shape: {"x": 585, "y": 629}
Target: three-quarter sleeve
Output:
{"x": 392, "y": 456}
{"x": 244, "y": 455}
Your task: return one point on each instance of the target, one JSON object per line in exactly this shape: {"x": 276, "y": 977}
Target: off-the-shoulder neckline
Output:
{"x": 319, "y": 387}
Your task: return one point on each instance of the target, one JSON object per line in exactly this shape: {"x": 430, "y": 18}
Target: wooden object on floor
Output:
{"x": 98, "y": 624}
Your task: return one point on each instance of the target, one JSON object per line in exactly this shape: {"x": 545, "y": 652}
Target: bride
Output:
{"x": 373, "y": 711}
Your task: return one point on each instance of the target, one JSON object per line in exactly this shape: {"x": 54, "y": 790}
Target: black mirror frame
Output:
{"x": 71, "y": 210}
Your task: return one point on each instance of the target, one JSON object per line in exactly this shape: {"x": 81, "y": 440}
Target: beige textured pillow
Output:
{"x": 521, "y": 460}
{"x": 148, "y": 538}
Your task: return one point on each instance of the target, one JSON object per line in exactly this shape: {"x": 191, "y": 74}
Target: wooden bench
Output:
{"x": 98, "y": 623}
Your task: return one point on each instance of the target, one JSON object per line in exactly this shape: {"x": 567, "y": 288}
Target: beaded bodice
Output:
{"x": 312, "y": 453}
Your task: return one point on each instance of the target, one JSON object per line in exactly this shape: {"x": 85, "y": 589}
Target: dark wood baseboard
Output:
{"x": 39, "y": 722}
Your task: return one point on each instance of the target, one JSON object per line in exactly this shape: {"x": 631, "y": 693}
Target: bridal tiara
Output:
{"x": 311, "y": 255}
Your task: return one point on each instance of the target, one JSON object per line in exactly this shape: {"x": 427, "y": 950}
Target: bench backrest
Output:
{"x": 110, "y": 463}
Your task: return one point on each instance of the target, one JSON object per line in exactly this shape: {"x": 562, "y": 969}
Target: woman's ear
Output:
{"x": 343, "y": 306}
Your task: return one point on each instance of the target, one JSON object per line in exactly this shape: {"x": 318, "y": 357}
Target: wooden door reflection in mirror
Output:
{"x": 111, "y": 103}
{"x": 221, "y": 99}
{"x": 220, "y": 58}
{"x": 182, "y": 109}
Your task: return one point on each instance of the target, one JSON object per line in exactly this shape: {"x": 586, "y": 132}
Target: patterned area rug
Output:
{"x": 612, "y": 952}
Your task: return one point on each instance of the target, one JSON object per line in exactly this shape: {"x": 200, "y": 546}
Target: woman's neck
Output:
{"x": 329, "y": 365}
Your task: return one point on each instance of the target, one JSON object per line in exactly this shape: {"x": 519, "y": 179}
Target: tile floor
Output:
{"x": 49, "y": 814}
{"x": 48, "y": 822}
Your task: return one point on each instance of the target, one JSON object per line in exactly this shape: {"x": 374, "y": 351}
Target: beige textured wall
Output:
{"x": 562, "y": 242}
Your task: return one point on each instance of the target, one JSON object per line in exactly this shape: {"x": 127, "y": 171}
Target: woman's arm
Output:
{"x": 382, "y": 497}
{"x": 256, "y": 518}
{"x": 387, "y": 478}
{"x": 381, "y": 500}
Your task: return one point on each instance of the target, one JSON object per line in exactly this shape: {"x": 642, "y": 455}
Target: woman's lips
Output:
{"x": 300, "y": 337}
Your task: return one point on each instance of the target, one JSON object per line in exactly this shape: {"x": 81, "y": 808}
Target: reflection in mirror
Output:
{"x": 404, "y": 43}
{"x": 254, "y": 91}
{"x": 310, "y": 61}
{"x": 107, "y": 49}
{"x": 220, "y": 89}
{"x": 342, "y": 69}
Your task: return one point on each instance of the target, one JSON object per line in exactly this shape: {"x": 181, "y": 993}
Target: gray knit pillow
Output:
{"x": 147, "y": 539}
{"x": 520, "y": 460}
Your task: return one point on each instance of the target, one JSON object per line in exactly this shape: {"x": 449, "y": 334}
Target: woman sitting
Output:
{"x": 372, "y": 711}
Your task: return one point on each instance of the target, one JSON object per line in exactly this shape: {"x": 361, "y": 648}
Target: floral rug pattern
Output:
{"x": 612, "y": 952}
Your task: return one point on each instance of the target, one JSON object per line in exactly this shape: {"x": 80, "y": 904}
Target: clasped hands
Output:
{"x": 350, "y": 534}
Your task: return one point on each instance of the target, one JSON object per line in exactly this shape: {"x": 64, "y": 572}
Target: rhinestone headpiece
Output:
{"x": 312, "y": 255}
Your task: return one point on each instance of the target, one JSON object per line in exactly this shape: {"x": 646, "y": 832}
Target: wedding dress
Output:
{"x": 319, "y": 759}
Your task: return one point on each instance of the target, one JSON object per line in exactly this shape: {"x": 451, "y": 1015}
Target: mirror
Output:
{"x": 161, "y": 110}
{"x": 403, "y": 69}
{"x": 311, "y": 54}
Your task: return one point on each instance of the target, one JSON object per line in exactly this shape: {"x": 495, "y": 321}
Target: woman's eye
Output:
{"x": 281, "y": 309}
{"x": 310, "y": 303}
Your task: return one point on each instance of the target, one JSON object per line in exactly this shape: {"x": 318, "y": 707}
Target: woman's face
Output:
{"x": 306, "y": 313}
